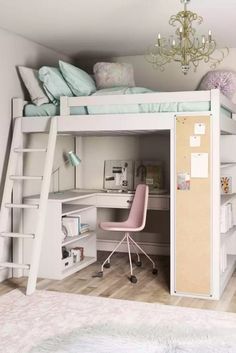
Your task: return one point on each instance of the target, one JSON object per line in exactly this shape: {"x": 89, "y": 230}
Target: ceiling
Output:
{"x": 110, "y": 27}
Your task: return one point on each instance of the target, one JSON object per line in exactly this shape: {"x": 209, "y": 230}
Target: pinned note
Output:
{"x": 199, "y": 165}
{"x": 195, "y": 141}
{"x": 199, "y": 129}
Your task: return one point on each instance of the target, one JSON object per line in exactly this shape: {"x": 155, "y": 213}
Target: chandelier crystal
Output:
{"x": 186, "y": 47}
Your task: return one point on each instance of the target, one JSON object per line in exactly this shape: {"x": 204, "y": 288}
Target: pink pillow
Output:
{"x": 224, "y": 80}
{"x": 108, "y": 75}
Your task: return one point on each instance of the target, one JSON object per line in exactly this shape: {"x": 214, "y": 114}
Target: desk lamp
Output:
{"x": 73, "y": 160}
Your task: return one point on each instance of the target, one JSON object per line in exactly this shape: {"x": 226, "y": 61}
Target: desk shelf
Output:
{"x": 88, "y": 260}
{"x": 71, "y": 240}
{"x": 51, "y": 264}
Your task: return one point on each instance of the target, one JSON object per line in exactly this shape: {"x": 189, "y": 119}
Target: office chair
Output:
{"x": 135, "y": 223}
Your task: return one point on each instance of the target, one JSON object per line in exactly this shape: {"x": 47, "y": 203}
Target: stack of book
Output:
{"x": 84, "y": 227}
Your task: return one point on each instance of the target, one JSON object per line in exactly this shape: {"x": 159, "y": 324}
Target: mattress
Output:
{"x": 52, "y": 110}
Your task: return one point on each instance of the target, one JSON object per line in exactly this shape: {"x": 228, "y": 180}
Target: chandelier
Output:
{"x": 186, "y": 47}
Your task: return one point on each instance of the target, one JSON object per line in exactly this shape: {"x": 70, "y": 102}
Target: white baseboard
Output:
{"x": 149, "y": 248}
{"x": 5, "y": 273}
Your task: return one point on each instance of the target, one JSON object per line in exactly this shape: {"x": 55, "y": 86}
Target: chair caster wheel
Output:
{"x": 133, "y": 279}
{"x": 155, "y": 271}
{"x": 98, "y": 274}
{"x": 138, "y": 263}
{"x": 107, "y": 265}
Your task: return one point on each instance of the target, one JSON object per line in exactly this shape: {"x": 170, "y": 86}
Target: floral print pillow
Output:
{"x": 109, "y": 75}
{"x": 224, "y": 80}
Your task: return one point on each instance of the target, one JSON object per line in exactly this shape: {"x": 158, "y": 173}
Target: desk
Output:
{"x": 74, "y": 202}
{"x": 102, "y": 199}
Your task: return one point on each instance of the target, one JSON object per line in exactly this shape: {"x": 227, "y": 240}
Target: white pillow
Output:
{"x": 33, "y": 85}
{"x": 108, "y": 75}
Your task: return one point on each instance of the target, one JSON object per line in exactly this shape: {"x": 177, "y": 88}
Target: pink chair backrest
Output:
{"x": 138, "y": 211}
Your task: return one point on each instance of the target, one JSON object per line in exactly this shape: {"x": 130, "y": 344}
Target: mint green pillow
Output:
{"x": 80, "y": 83}
{"x": 54, "y": 84}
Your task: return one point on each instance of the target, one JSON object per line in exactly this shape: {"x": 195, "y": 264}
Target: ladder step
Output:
{"x": 24, "y": 177}
{"x": 16, "y": 235}
{"x": 16, "y": 205}
{"x": 20, "y": 150}
{"x": 13, "y": 265}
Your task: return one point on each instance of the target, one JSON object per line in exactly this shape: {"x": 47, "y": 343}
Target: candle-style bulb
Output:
{"x": 210, "y": 35}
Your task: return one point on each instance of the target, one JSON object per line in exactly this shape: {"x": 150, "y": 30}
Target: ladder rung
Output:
{"x": 19, "y": 205}
{"x": 24, "y": 177}
{"x": 20, "y": 150}
{"x": 13, "y": 265}
{"x": 16, "y": 235}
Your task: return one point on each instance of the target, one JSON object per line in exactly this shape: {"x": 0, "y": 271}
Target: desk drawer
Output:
{"x": 114, "y": 201}
{"x": 125, "y": 201}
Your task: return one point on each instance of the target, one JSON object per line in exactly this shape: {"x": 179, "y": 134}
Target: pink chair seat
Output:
{"x": 125, "y": 226}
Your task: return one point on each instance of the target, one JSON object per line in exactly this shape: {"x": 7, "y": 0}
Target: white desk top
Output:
{"x": 75, "y": 194}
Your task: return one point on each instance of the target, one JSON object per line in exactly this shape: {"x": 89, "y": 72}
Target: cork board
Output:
{"x": 193, "y": 213}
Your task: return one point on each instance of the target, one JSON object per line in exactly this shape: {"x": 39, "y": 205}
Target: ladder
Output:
{"x": 7, "y": 206}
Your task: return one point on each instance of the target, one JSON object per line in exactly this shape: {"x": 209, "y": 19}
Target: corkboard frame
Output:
{"x": 193, "y": 213}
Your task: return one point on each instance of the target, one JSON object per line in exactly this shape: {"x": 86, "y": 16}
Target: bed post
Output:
{"x": 64, "y": 106}
{"x": 17, "y": 247}
{"x": 215, "y": 192}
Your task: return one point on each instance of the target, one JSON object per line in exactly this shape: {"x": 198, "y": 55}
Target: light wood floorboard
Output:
{"x": 115, "y": 284}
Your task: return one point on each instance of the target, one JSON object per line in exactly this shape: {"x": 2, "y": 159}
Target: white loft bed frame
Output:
{"x": 141, "y": 123}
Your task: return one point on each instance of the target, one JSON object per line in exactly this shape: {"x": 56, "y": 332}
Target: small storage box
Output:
{"x": 67, "y": 262}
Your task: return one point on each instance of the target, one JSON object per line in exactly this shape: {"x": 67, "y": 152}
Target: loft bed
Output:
{"x": 221, "y": 112}
{"x": 211, "y": 102}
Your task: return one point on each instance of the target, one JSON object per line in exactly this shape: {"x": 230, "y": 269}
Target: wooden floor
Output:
{"x": 115, "y": 284}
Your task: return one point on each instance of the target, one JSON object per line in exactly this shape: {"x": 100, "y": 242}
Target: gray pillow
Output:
{"x": 108, "y": 75}
{"x": 34, "y": 86}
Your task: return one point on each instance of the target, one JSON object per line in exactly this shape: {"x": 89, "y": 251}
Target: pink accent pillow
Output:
{"x": 224, "y": 80}
{"x": 108, "y": 75}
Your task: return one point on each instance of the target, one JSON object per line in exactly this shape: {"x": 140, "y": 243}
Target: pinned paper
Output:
{"x": 183, "y": 181}
{"x": 199, "y": 129}
{"x": 195, "y": 141}
{"x": 199, "y": 165}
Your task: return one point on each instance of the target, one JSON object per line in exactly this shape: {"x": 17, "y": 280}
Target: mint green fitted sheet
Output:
{"x": 51, "y": 109}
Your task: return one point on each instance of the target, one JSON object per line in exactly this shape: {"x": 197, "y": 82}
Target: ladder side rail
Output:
{"x": 42, "y": 211}
{"x": 5, "y": 213}
{"x": 17, "y": 196}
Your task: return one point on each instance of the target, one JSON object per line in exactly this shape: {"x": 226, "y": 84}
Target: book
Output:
{"x": 84, "y": 227}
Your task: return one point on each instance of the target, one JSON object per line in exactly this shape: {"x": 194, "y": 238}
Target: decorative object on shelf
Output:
{"x": 70, "y": 158}
{"x": 77, "y": 253}
{"x": 226, "y": 184}
{"x": 186, "y": 47}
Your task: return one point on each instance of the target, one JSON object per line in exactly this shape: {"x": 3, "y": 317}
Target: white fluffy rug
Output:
{"x": 51, "y": 322}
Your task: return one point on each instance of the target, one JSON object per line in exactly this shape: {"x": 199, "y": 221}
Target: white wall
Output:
{"x": 172, "y": 78}
{"x": 15, "y": 51}
{"x": 95, "y": 150}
